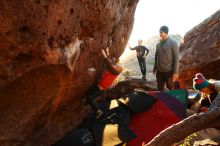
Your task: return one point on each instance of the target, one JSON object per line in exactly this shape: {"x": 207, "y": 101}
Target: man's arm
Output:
{"x": 155, "y": 63}
{"x": 133, "y": 48}
{"x": 147, "y": 51}
{"x": 114, "y": 69}
{"x": 175, "y": 58}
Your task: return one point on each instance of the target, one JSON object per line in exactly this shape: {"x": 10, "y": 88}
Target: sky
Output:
{"x": 179, "y": 15}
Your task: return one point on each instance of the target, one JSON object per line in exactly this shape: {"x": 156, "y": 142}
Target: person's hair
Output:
{"x": 164, "y": 29}
{"x": 140, "y": 41}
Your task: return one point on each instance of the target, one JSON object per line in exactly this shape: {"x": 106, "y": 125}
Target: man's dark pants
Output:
{"x": 164, "y": 77}
{"x": 142, "y": 64}
{"x": 91, "y": 94}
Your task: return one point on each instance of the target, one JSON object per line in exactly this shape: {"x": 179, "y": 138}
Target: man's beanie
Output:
{"x": 164, "y": 29}
{"x": 199, "y": 82}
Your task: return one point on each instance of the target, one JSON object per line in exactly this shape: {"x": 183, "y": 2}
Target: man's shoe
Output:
{"x": 99, "y": 113}
{"x": 144, "y": 77}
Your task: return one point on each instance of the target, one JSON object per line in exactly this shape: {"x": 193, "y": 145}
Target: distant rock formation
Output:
{"x": 50, "y": 53}
{"x": 200, "y": 51}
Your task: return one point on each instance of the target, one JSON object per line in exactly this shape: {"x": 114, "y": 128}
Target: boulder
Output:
{"x": 200, "y": 51}
{"x": 50, "y": 54}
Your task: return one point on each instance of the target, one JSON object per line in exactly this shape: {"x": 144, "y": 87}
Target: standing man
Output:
{"x": 166, "y": 60}
{"x": 140, "y": 50}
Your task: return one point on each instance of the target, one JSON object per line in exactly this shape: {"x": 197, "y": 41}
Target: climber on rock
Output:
{"x": 113, "y": 69}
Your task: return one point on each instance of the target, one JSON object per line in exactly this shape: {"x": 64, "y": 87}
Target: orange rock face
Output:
{"x": 50, "y": 53}
{"x": 200, "y": 51}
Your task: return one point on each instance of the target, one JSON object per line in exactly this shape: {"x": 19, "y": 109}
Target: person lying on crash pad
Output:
{"x": 209, "y": 90}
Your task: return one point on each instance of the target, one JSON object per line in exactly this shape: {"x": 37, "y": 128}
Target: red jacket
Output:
{"x": 106, "y": 80}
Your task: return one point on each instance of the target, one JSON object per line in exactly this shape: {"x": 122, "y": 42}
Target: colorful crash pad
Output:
{"x": 169, "y": 109}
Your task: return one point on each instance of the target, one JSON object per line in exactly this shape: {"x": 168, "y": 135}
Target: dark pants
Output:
{"x": 142, "y": 64}
{"x": 164, "y": 77}
{"x": 91, "y": 95}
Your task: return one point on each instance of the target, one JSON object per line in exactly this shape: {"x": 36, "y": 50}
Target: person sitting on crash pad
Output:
{"x": 208, "y": 88}
{"x": 113, "y": 69}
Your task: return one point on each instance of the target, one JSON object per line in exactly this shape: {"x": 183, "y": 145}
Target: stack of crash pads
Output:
{"x": 133, "y": 119}
{"x": 169, "y": 109}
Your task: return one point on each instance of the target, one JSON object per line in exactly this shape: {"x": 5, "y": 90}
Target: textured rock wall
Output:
{"x": 200, "y": 51}
{"x": 50, "y": 53}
